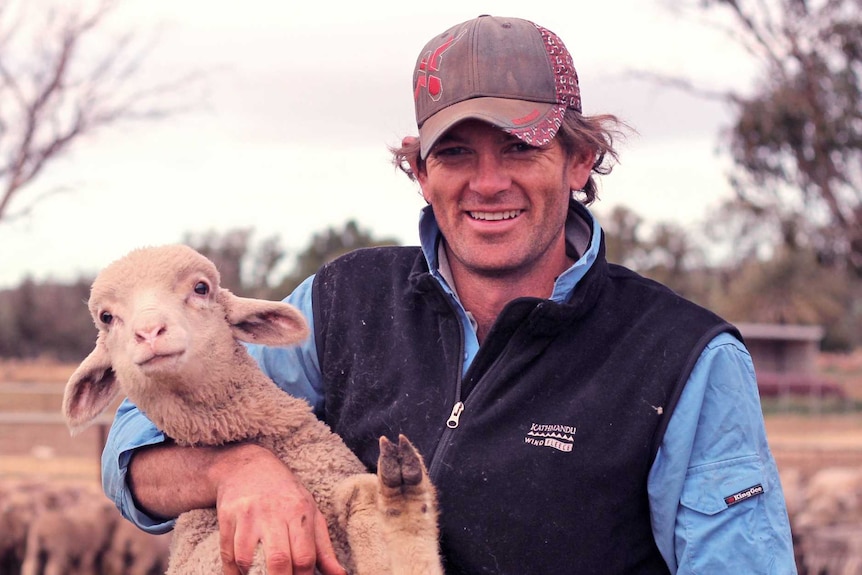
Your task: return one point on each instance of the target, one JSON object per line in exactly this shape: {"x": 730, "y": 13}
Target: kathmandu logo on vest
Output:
{"x": 559, "y": 437}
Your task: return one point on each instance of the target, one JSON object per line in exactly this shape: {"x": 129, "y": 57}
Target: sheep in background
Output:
{"x": 136, "y": 552}
{"x": 170, "y": 339}
{"x": 831, "y": 495}
{"x": 827, "y": 525}
{"x": 832, "y": 550}
{"x": 16, "y": 512}
{"x": 70, "y": 540}
{"x": 20, "y": 503}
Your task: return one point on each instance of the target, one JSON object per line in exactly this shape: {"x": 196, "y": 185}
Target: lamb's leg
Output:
{"x": 32, "y": 564}
{"x": 87, "y": 564}
{"x": 358, "y": 526}
{"x": 408, "y": 505}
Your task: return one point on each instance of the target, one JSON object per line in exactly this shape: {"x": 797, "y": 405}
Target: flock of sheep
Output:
{"x": 53, "y": 529}
{"x": 825, "y": 511}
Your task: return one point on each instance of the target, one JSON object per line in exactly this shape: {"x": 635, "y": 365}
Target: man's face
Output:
{"x": 501, "y": 204}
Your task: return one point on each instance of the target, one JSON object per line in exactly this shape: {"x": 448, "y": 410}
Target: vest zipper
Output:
{"x": 455, "y": 417}
{"x": 457, "y": 409}
{"x": 452, "y": 422}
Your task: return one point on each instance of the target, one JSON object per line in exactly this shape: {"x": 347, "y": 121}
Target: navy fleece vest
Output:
{"x": 564, "y": 407}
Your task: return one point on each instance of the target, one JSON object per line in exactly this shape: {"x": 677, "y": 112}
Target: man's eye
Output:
{"x": 522, "y": 147}
{"x": 202, "y": 288}
{"x": 450, "y": 151}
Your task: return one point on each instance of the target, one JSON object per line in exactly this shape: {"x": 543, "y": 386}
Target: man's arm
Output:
{"x": 715, "y": 448}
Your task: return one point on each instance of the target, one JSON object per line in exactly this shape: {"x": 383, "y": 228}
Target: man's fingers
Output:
{"x": 264, "y": 510}
{"x": 245, "y": 540}
{"x": 291, "y": 551}
{"x": 226, "y": 547}
{"x": 327, "y": 562}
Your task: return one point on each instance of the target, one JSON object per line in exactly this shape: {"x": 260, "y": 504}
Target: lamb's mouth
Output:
{"x": 495, "y": 216}
{"x": 157, "y": 359}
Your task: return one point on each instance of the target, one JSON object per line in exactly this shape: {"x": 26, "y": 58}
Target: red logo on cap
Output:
{"x": 431, "y": 63}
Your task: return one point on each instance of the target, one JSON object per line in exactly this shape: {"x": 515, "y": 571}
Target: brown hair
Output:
{"x": 577, "y": 135}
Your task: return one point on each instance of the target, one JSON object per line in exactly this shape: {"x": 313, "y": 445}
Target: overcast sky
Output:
{"x": 301, "y": 99}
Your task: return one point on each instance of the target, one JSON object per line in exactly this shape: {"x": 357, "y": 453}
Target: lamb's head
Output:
{"x": 164, "y": 324}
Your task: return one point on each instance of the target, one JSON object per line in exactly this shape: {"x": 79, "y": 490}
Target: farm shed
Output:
{"x": 783, "y": 348}
{"x": 785, "y": 359}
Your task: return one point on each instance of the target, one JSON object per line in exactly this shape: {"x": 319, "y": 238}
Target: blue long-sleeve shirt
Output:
{"x": 715, "y": 438}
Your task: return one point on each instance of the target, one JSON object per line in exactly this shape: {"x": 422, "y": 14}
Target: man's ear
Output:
{"x": 417, "y": 167}
{"x": 580, "y": 168}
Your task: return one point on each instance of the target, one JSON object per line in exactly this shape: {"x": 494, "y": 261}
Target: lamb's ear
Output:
{"x": 90, "y": 390}
{"x": 264, "y": 322}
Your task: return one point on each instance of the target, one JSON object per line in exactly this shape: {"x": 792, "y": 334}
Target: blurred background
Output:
{"x": 260, "y": 136}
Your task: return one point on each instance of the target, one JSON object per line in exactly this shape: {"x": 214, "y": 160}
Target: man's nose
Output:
{"x": 490, "y": 175}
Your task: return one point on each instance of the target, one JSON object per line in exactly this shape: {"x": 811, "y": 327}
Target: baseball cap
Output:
{"x": 509, "y": 72}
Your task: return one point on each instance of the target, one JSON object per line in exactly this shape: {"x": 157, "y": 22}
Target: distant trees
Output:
{"x": 794, "y": 226}
{"x": 258, "y": 270}
{"x": 796, "y": 140}
{"x": 46, "y": 318}
{"x": 246, "y": 269}
{"x": 63, "y": 77}
{"x": 51, "y": 318}
{"x": 665, "y": 252}
{"x": 786, "y": 286}
{"x": 324, "y": 247}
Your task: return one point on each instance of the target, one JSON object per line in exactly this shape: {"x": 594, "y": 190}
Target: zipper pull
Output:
{"x": 452, "y": 423}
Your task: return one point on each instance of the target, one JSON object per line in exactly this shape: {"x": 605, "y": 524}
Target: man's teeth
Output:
{"x": 492, "y": 216}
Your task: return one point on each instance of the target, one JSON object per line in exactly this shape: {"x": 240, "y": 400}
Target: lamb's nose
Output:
{"x": 150, "y": 333}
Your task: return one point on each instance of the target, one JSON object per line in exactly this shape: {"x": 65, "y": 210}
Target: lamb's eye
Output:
{"x": 202, "y": 288}
{"x": 106, "y": 317}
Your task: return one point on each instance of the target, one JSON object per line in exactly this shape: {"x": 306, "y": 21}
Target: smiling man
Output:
{"x": 575, "y": 417}
{"x": 501, "y": 205}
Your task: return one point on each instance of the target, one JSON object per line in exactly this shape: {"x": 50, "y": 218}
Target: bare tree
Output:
{"x": 797, "y": 137}
{"x": 63, "y": 77}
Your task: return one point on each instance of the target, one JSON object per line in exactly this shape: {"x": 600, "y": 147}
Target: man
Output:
{"x": 575, "y": 417}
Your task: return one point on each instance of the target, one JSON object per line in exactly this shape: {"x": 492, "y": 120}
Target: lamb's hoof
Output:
{"x": 399, "y": 465}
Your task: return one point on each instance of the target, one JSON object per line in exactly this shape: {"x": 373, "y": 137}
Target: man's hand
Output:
{"x": 260, "y": 501}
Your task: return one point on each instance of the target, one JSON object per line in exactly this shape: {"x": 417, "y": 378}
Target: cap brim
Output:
{"x": 518, "y": 117}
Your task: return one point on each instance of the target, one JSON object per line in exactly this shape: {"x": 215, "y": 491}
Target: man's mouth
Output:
{"x": 495, "y": 216}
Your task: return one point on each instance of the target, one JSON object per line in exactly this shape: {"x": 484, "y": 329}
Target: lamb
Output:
{"x": 832, "y": 495}
{"x": 136, "y": 552}
{"x": 20, "y": 504}
{"x": 826, "y": 524}
{"x": 17, "y": 509}
{"x": 71, "y": 539}
{"x": 170, "y": 338}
